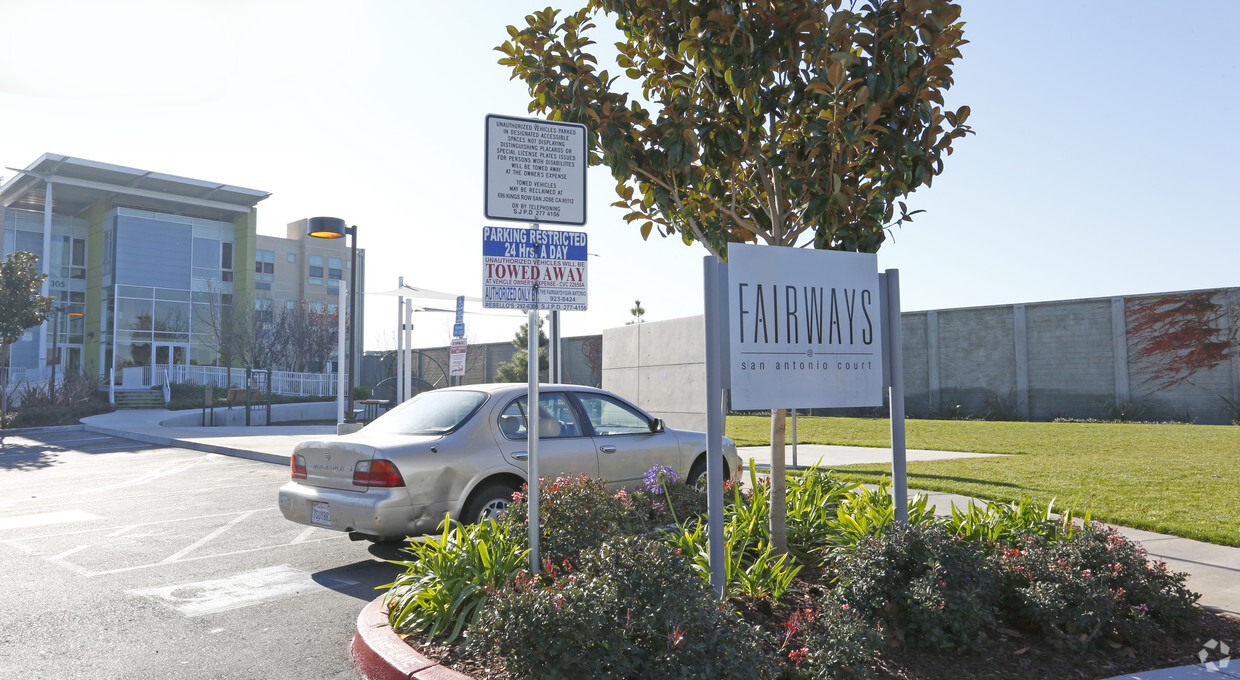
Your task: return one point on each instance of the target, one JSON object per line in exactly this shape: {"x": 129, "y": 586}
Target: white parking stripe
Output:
{"x": 242, "y": 590}
{"x": 46, "y": 518}
{"x": 208, "y": 538}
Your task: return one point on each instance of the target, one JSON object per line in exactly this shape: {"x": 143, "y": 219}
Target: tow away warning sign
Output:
{"x": 533, "y": 269}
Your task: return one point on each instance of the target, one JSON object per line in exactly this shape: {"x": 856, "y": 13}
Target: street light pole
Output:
{"x": 330, "y": 228}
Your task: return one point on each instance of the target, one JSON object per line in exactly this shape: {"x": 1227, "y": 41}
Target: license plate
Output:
{"x": 321, "y": 514}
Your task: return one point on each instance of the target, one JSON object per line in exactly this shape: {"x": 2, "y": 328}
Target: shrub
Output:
{"x": 1093, "y": 584}
{"x": 838, "y": 643}
{"x": 56, "y": 414}
{"x": 749, "y": 567}
{"x": 813, "y": 501}
{"x": 631, "y": 610}
{"x": 1001, "y": 408}
{"x": 921, "y": 584}
{"x": 575, "y": 514}
{"x": 1126, "y": 412}
{"x": 1006, "y": 524}
{"x": 450, "y": 578}
{"x": 867, "y": 512}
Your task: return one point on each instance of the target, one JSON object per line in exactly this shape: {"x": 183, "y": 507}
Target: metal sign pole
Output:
{"x": 400, "y": 342}
{"x": 532, "y": 418}
{"x": 794, "y": 437}
{"x": 553, "y": 348}
{"x": 715, "y": 321}
{"x": 407, "y": 377}
{"x": 895, "y": 359}
{"x": 340, "y": 354}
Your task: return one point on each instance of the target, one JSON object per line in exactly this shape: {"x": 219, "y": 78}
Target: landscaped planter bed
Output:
{"x": 1004, "y": 591}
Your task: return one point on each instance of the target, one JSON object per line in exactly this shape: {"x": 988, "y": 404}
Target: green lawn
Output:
{"x": 1175, "y": 479}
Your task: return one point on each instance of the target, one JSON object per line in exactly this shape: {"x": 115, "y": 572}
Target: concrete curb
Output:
{"x": 19, "y": 431}
{"x": 160, "y": 440}
{"x": 381, "y": 654}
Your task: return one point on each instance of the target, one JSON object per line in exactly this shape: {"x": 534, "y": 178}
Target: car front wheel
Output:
{"x": 490, "y": 503}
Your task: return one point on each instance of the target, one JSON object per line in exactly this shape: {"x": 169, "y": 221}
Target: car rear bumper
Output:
{"x": 381, "y": 513}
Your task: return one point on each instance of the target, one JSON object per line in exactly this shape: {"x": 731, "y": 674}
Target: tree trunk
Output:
{"x": 779, "y": 499}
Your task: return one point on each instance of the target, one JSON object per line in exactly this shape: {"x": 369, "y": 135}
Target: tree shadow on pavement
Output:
{"x": 22, "y": 454}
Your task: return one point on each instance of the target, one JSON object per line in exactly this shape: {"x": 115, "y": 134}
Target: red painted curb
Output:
{"x": 381, "y": 654}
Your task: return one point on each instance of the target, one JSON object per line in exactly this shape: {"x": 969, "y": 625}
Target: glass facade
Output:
{"x": 158, "y": 316}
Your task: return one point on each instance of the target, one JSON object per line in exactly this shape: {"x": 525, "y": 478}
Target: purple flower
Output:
{"x": 658, "y": 477}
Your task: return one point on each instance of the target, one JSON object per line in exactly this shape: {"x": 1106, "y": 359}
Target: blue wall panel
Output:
{"x": 152, "y": 253}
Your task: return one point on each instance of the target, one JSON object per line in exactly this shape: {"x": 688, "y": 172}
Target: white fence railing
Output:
{"x": 17, "y": 376}
{"x": 282, "y": 382}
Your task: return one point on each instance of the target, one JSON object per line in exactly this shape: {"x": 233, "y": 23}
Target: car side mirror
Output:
{"x": 658, "y": 425}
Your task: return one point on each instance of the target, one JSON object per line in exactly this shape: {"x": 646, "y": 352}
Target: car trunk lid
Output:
{"x": 329, "y": 464}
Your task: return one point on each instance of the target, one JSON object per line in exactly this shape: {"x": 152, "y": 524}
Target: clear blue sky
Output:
{"x": 1104, "y": 161}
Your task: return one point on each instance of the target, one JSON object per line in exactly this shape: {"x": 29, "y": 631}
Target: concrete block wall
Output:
{"x": 660, "y": 366}
{"x": 1049, "y": 359}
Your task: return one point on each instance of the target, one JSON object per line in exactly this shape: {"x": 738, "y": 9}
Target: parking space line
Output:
{"x": 208, "y": 538}
{"x": 301, "y": 538}
{"x": 108, "y": 572}
{"x": 46, "y": 518}
{"x": 241, "y": 590}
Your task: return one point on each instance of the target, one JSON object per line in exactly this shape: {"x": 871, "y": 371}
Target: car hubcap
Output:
{"x": 493, "y": 510}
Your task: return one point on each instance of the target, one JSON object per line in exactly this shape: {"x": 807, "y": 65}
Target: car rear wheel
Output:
{"x": 491, "y": 502}
{"x": 697, "y": 474}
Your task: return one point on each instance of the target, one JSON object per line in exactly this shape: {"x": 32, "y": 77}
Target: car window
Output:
{"x": 609, "y": 416}
{"x": 434, "y": 412}
{"x": 557, "y": 417}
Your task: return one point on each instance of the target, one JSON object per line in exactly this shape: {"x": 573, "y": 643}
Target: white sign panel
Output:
{"x": 535, "y": 170}
{"x": 524, "y": 271}
{"x": 804, "y": 328}
{"x": 456, "y": 357}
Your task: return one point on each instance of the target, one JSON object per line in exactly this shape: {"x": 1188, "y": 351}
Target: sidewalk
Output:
{"x": 1214, "y": 570}
{"x": 267, "y": 443}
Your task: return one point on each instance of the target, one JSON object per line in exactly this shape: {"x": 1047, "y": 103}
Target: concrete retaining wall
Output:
{"x": 1072, "y": 358}
{"x": 235, "y": 417}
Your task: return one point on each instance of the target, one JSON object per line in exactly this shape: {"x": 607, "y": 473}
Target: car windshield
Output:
{"x": 434, "y": 412}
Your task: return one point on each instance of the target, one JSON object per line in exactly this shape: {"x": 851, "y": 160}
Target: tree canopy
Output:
{"x": 773, "y": 121}
{"x": 21, "y": 305}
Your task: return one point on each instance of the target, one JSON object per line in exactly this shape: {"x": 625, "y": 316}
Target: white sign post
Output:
{"x": 536, "y": 170}
{"x": 456, "y": 357}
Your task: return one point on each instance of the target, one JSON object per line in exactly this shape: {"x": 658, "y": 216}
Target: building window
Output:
{"x": 316, "y": 270}
{"x": 226, "y": 261}
{"x": 335, "y": 270}
{"x": 264, "y": 312}
{"x": 264, "y": 265}
{"x": 292, "y": 257}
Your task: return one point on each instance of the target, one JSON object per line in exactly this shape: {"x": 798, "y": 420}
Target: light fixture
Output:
{"x": 332, "y": 228}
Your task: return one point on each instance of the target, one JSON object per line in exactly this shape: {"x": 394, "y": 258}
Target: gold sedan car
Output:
{"x": 461, "y": 452}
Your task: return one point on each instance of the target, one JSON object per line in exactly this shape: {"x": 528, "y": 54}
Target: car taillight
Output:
{"x": 376, "y": 473}
{"x": 299, "y": 466}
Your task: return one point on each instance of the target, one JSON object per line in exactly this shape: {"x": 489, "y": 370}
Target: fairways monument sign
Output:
{"x": 804, "y": 328}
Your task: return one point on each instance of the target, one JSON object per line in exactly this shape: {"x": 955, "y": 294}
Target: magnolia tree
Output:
{"x": 798, "y": 122}
{"x": 22, "y": 307}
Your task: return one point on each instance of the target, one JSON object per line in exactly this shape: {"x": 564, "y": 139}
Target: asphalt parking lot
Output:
{"x": 127, "y": 560}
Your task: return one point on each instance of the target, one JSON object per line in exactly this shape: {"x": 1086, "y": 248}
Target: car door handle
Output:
{"x": 520, "y": 455}
{"x": 607, "y": 449}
